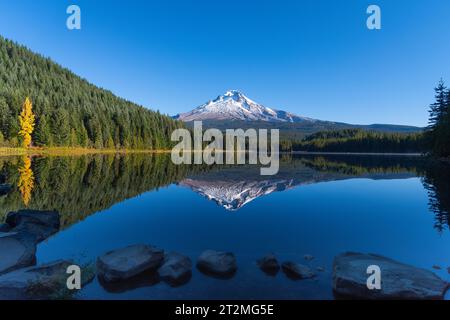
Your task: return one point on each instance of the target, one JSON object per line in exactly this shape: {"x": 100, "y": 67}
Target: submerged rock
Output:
{"x": 216, "y": 263}
{"x": 398, "y": 280}
{"x": 436, "y": 267}
{"x": 320, "y": 269}
{"x": 33, "y": 283}
{"x": 34, "y": 225}
{"x": 5, "y": 189}
{"x": 176, "y": 269}
{"x": 15, "y": 253}
{"x": 308, "y": 257}
{"x": 4, "y": 227}
{"x": 269, "y": 264}
{"x": 297, "y": 271}
{"x": 122, "y": 264}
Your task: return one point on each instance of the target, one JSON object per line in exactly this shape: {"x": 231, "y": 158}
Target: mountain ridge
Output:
{"x": 234, "y": 105}
{"x": 235, "y": 110}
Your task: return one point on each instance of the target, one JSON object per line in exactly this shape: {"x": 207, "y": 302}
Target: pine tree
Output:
{"x": 438, "y": 131}
{"x": 437, "y": 109}
{"x": 61, "y": 127}
{"x": 42, "y": 134}
{"x": 26, "y": 121}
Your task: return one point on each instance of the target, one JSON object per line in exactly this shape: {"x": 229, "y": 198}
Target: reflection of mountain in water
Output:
{"x": 80, "y": 186}
{"x": 234, "y": 187}
{"x": 232, "y": 195}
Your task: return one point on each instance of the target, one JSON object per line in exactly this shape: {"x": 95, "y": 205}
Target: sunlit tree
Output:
{"x": 26, "y": 121}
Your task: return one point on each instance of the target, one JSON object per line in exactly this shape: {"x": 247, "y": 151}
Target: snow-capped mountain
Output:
{"x": 233, "y": 105}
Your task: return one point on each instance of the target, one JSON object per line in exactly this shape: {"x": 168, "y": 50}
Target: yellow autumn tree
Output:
{"x": 26, "y": 180}
{"x": 26, "y": 121}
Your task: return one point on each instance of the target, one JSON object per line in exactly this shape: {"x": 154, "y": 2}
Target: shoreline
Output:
{"x": 67, "y": 151}
{"x": 409, "y": 154}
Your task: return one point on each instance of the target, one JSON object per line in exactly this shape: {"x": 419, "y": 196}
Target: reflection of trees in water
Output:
{"x": 80, "y": 186}
{"x": 26, "y": 180}
{"x": 363, "y": 164}
{"x": 436, "y": 180}
{"x": 435, "y": 176}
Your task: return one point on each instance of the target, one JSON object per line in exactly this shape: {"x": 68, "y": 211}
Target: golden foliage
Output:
{"x": 27, "y": 121}
{"x": 26, "y": 180}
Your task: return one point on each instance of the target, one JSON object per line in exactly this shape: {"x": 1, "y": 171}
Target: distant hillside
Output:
{"x": 299, "y": 130}
{"x": 69, "y": 110}
{"x": 359, "y": 140}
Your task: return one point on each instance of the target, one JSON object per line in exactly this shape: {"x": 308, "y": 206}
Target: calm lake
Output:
{"x": 320, "y": 205}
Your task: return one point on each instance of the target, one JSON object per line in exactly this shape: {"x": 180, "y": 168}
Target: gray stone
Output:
{"x": 34, "y": 283}
{"x": 15, "y": 253}
{"x": 216, "y": 263}
{"x": 297, "y": 271}
{"x": 269, "y": 264}
{"x": 5, "y": 189}
{"x": 398, "y": 280}
{"x": 176, "y": 269}
{"x": 34, "y": 225}
{"x": 122, "y": 264}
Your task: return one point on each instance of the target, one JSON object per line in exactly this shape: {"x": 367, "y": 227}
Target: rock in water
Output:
{"x": 122, "y": 264}
{"x": 216, "y": 263}
{"x": 176, "y": 269}
{"x": 297, "y": 271}
{"x": 398, "y": 280}
{"x": 436, "y": 267}
{"x": 39, "y": 282}
{"x": 5, "y": 189}
{"x": 33, "y": 224}
{"x": 269, "y": 264}
{"x": 308, "y": 257}
{"x": 4, "y": 227}
{"x": 15, "y": 253}
{"x": 320, "y": 269}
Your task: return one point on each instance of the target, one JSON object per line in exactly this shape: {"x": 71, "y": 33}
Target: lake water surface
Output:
{"x": 321, "y": 205}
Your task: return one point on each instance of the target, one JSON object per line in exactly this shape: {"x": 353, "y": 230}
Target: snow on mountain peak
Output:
{"x": 234, "y": 105}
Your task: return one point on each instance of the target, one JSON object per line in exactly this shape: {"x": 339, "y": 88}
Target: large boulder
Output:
{"x": 176, "y": 269}
{"x": 15, "y": 253}
{"x": 33, "y": 224}
{"x": 216, "y": 263}
{"x": 269, "y": 264}
{"x": 398, "y": 280}
{"x": 125, "y": 263}
{"x": 297, "y": 271}
{"x": 35, "y": 283}
{"x": 5, "y": 189}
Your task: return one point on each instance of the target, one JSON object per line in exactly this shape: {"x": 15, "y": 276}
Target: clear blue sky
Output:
{"x": 314, "y": 58}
